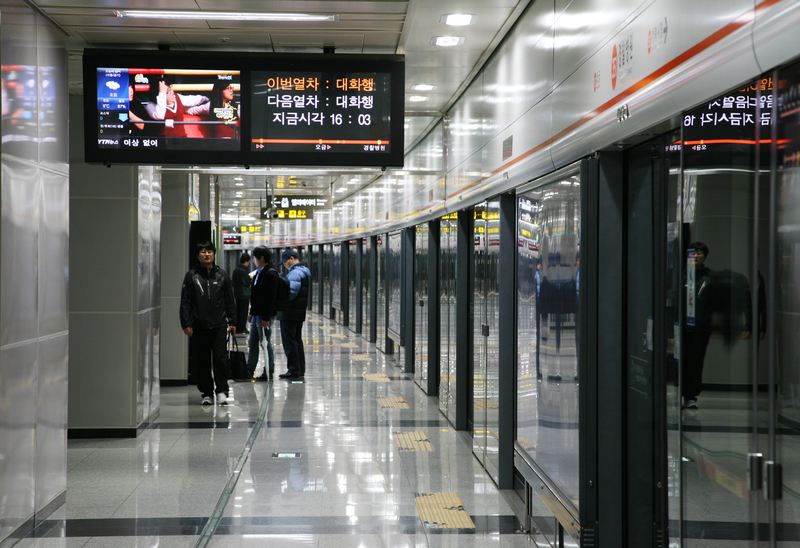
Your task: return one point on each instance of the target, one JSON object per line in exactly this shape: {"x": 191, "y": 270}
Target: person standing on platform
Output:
{"x": 299, "y": 277}
{"x": 241, "y": 290}
{"x": 208, "y": 308}
{"x": 262, "y": 312}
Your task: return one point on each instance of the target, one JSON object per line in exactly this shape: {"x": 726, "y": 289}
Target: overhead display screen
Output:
{"x": 326, "y": 113}
{"x": 251, "y": 109}
{"x": 170, "y": 109}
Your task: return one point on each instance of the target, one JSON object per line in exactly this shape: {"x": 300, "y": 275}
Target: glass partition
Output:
{"x": 336, "y": 276}
{"x": 548, "y": 228}
{"x": 326, "y": 280}
{"x": 394, "y": 284}
{"x": 380, "y": 339}
{"x": 421, "y": 305}
{"x": 353, "y": 263}
{"x": 366, "y": 259}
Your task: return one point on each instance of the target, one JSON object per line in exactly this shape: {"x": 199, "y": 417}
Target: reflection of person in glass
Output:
{"x": 698, "y": 334}
{"x": 137, "y": 115}
{"x": 171, "y": 107}
{"x": 222, "y": 109}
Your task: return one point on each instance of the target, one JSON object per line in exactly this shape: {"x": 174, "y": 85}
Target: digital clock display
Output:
{"x": 324, "y": 112}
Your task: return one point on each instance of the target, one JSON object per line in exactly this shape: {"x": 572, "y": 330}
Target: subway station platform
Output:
{"x": 332, "y": 461}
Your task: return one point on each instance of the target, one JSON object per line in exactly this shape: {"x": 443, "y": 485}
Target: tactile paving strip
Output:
{"x": 349, "y": 345}
{"x": 327, "y": 327}
{"x": 442, "y": 511}
{"x": 393, "y": 402}
{"x": 489, "y": 404}
{"x": 413, "y": 441}
{"x": 377, "y": 377}
{"x": 337, "y": 336}
{"x": 314, "y": 320}
{"x": 361, "y": 358}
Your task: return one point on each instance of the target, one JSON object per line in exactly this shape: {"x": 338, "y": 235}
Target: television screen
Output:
{"x": 165, "y": 107}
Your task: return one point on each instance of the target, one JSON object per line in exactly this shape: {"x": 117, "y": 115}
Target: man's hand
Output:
{"x": 188, "y": 331}
{"x": 264, "y": 323}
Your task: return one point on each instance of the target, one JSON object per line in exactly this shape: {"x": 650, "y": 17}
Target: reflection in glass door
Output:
{"x": 479, "y": 328}
{"x": 366, "y": 262}
{"x": 448, "y": 233}
{"x": 421, "y": 306}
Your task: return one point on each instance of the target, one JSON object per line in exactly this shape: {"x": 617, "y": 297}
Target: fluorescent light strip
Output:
{"x": 224, "y": 16}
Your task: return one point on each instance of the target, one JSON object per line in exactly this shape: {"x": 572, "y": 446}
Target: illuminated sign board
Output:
{"x": 295, "y": 207}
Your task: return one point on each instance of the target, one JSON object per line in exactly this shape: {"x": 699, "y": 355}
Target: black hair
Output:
{"x": 699, "y": 246}
{"x": 244, "y": 258}
{"x": 204, "y": 245}
{"x": 216, "y": 95}
{"x": 263, "y": 254}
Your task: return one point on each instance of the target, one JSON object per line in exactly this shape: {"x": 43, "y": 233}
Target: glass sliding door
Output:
{"x": 448, "y": 233}
{"x": 548, "y": 228}
{"x": 366, "y": 296}
{"x": 421, "y": 305}
{"x": 353, "y": 263}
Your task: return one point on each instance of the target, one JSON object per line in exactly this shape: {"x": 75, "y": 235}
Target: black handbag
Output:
{"x": 237, "y": 361}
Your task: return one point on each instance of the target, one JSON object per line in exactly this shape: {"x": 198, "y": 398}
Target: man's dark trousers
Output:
{"x": 205, "y": 344}
{"x": 292, "y": 338}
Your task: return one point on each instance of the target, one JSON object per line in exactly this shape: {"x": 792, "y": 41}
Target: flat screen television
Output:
{"x": 165, "y": 107}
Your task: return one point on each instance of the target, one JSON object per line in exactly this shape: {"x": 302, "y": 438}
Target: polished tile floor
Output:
{"x": 305, "y": 464}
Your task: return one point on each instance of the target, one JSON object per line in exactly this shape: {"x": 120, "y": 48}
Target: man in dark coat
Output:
{"x": 299, "y": 277}
{"x": 208, "y": 307}
{"x": 262, "y": 312}
{"x": 241, "y": 290}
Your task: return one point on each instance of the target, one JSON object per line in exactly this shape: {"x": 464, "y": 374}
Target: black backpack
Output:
{"x": 282, "y": 295}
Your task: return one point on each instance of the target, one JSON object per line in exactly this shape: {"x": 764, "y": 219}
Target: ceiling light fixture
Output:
{"x": 423, "y": 87}
{"x": 447, "y": 41}
{"x": 224, "y": 15}
{"x": 417, "y": 98}
{"x": 457, "y": 19}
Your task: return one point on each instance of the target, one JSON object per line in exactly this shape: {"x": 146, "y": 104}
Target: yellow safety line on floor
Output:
{"x": 443, "y": 511}
{"x": 349, "y": 345}
{"x": 361, "y": 358}
{"x": 413, "y": 441}
{"x": 393, "y": 402}
{"x": 314, "y": 320}
{"x": 327, "y": 327}
{"x": 337, "y": 336}
{"x": 377, "y": 377}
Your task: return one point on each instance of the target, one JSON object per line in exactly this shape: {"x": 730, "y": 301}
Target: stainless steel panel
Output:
{"x": 51, "y": 419}
{"x": 18, "y": 396}
{"x": 21, "y": 195}
{"x": 584, "y": 25}
{"x": 20, "y": 73}
{"x": 54, "y": 98}
{"x": 465, "y": 136}
{"x": 53, "y": 279}
{"x": 143, "y": 259}
{"x": 86, "y": 238}
{"x": 144, "y": 366}
{"x": 155, "y": 241}
{"x": 774, "y": 30}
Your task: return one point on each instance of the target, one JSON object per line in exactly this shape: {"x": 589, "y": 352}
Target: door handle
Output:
{"x": 421, "y": 303}
{"x": 485, "y": 330}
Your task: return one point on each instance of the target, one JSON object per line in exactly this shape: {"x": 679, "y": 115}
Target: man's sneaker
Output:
{"x": 691, "y": 404}
{"x": 222, "y": 399}
{"x": 207, "y": 401}
{"x": 288, "y": 375}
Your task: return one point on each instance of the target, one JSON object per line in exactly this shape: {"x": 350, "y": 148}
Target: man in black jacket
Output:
{"x": 299, "y": 277}
{"x": 262, "y": 312}
{"x": 208, "y": 307}
{"x": 241, "y": 290}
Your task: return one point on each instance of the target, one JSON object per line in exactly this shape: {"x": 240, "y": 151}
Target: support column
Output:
{"x": 115, "y": 296}
{"x": 175, "y": 250}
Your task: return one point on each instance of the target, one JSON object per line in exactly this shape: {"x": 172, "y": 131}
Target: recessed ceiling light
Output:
{"x": 224, "y": 15}
{"x": 447, "y": 41}
{"x": 423, "y": 87}
{"x": 417, "y": 98}
{"x": 457, "y": 19}
{"x": 239, "y": 184}
{"x": 238, "y": 179}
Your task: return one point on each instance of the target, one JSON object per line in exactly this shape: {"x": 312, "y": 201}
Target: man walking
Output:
{"x": 292, "y": 319}
{"x": 208, "y": 307}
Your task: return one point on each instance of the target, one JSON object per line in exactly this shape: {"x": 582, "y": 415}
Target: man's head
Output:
{"x": 700, "y": 251}
{"x": 205, "y": 253}
{"x": 289, "y": 258}
{"x": 244, "y": 259}
{"x": 262, "y": 256}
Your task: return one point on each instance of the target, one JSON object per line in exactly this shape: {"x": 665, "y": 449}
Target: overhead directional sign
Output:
{"x": 295, "y": 207}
